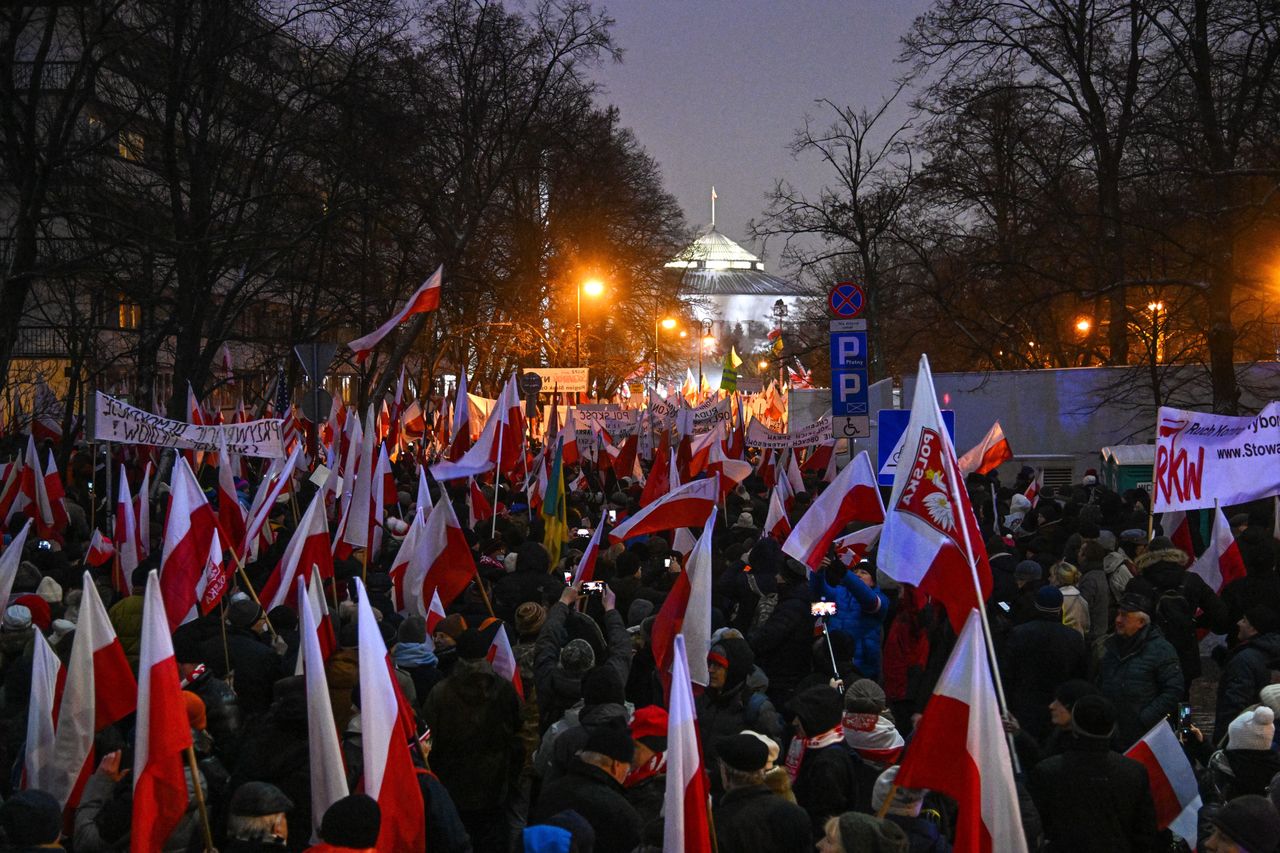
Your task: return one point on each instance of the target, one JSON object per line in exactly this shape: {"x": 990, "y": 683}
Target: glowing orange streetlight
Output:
{"x": 1083, "y": 325}
{"x": 593, "y": 287}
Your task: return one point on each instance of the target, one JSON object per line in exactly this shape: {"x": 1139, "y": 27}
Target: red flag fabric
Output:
{"x": 389, "y": 776}
{"x": 852, "y": 548}
{"x": 38, "y": 767}
{"x": 686, "y": 612}
{"x": 1221, "y": 562}
{"x": 586, "y": 569}
{"x": 990, "y": 453}
{"x": 1175, "y": 525}
{"x": 308, "y": 551}
{"x": 659, "y": 481}
{"x": 504, "y": 660}
{"x": 163, "y": 733}
{"x": 931, "y": 539}
{"x": 128, "y": 543}
{"x": 959, "y": 748}
{"x": 460, "y": 437}
{"x": 686, "y": 803}
{"x": 327, "y": 772}
{"x": 685, "y": 506}
{"x": 1173, "y": 781}
{"x": 188, "y": 534}
{"x": 776, "y": 523}
{"x": 99, "y": 550}
{"x": 449, "y": 563}
{"x": 425, "y": 298}
{"x": 854, "y": 496}
{"x": 435, "y": 612}
{"x": 231, "y": 518}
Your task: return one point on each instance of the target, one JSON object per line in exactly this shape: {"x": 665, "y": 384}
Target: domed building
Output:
{"x": 731, "y": 288}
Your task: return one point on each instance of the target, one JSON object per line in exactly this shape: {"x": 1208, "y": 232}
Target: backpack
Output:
{"x": 764, "y": 606}
{"x": 1175, "y": 616}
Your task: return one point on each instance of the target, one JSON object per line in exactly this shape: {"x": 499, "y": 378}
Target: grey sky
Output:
{"x": 715, "y": 89}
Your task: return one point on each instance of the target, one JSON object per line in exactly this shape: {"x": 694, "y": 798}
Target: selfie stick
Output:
{"x": 835, "y": 671}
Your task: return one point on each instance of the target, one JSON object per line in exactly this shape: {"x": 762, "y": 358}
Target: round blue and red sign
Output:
{"x": 847, "y": 300}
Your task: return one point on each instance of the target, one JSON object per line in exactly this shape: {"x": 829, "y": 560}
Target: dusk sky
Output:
{"x": 716, "y": 89}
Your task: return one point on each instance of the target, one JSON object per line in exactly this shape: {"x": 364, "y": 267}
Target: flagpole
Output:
{"x": 982, "y": 608}
{"x": 497, "y": 466}
{"x": 199, "y": 789}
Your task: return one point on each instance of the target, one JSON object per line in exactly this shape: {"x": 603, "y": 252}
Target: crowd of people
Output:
{"x": 1099, "y": 631}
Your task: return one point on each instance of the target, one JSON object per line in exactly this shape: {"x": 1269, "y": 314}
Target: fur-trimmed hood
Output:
{"x": 1173, "y": 556}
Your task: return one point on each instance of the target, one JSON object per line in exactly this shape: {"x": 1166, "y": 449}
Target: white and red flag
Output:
{"x": 274, "y": 483}
{"x": 504, "y": 660}
{"x": 1175, "y": 526}
{"x": 1221, "y": 562}
{"x": 586, "y": 569}
{"x": 307, "y": 552}
{"x": 1173, "y": 781}
{"x": 686, "y": 803}
{"x": 163, "y": 733}
{"x": 424, "y": 491}
{"x": 852, "y": 548}
{"x": 328, "y": 773}
{"x": 357, "y": 532}
{"x": 425, "y": 298}
{"x": 448, "y": 561}
{"x": 99, "y": 690}
{"x": 142, "y": 512}
{"x": 33, "y": 498}
{"x": 731, "y": 471}
{"x": 435, "y": 613}
{"x": 478, "y": 507}
{"x": 99, "y": 550}
{"x": 9, "y": 562}
{"x": 389, "y": 776}
{"x": 56, "y": 495}
{"x": 231, "y": 516}
{"x": 684, "y": 506}
{"x": 188, "y": 535}
{"x": 931, "y": 539}
{"x": 37, "y": 760}
{"x": 686, "y": 611}
{"x": 460, "y": 434}
{"x": 854, "y": 496}
{"x": 776, "y": 523}
{"x": 499, "y": 442}
{"x": 659, "y": 482}
{"x": 959, "y": 748}
{"x": 991, "y": 453}
{"x": 407, "y": 555}
{"x": 795, "y": 480}
{"x": 1034, "y": 488}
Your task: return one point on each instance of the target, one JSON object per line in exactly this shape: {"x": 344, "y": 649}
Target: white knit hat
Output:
{"x": 1270, "y": 696}
{"x": 49, "y": 590}
{"x": 1253, "y": 729}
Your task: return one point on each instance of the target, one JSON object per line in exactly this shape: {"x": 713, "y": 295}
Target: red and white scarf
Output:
{"x": 873, "y": 737}
{"x": 801, "y": 745}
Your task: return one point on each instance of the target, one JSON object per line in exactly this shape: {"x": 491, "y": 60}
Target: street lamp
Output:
{"x": 1155, "y": 308}
{"x": 593, "y": 287}
{"x": 667, "y": 323}
{"x": 1083, "y": 325}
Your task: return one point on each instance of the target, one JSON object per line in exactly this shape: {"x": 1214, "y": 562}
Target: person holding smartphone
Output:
{"x": 860, "y": 608}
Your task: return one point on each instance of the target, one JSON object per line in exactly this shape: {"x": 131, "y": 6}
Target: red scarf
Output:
{"x": 801, "y": 745}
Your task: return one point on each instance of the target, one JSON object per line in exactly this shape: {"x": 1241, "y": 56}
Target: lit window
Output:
{"x": 131, "y": 145}
{"x": 130, "y": 314}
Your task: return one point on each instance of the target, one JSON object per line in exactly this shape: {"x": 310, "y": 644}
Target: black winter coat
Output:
{"x": 1038, "y": 656}
{"x": 558, "y": 691}
{"x": 521, "y": 586}
{"x": 600, "y": 800}
{"x": 781, "y": 644}
{"x": 1141, "y": 675}
{"x": 827, "y": 785}
{"x": 1090, "y": 798}
{"x": 756, "y": 820}
{"x": 256, "y": 665}
{"x": 1166, "y": 583}
{"x": 1247, "y": 671}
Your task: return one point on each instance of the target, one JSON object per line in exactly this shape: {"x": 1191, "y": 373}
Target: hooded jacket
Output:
{"x": 781, "y": 644}
{"x": 1163, "y": 578}
{"x": 736, "y": 706}
{"x": 1247, "y": 671}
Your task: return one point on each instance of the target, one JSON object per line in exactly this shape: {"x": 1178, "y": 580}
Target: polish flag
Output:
{"x": 659, "y": 482}
{"x": 37, "y": 505}
{"x": 435, "y": 613}
{"x": 687, "y": 802}
{"x": 409, "y": 553}
{"x": 57, "y": 496}
{"x": 352, "y": 440}
{"x": 188, "y": 534}
{"x": 99, "y": 691}
{"x": 142, "y": 512}
{"x": 687, "y": 610}
{"x": 959, "y": 748}
{"x": 1221, "y": 562}
{"x": 683, "y": 542}
{"x": 685, "y": 506}
{"x": 9, "y": 562}
{"x": 424, "y": 491}
{"x": 730, "y": 471}
{"x": 357, "y": 532}
{"x": 700, "y": 451}
{"x": 306, "y": 552}
{"x": 1033, "y": 490}
{"x": 10, "y": 486}
{"x": 1173, "y": 782}
{"x": 776, "y": 523}
{"x": 499, "y": 442}
{"x": 128, "y": 546}
{"x": 460, "y": 440}
{"x": 991, "y": 453}
{"x": 274, "y": 483}
{"x": 478, "y": 507}
{"x": 163, "y": 733}
{"x": 389, "y": 776}
{"x": 795, "y": 481}
{"x": 449, "y": 564}
{"x": 768, "y": 468}
{"x": 383, "y": 492}
{"x": 822, "y": 454}
{"x": 854, "y": 496}
{"x": 37, "y": 762}
{"x": 852, "y": 548}
{"x": 586, "y": 569}
{"x": 931, "y": 539}
{"x": 328, "y": 773}
{"x": 231, "y": 517}
{"x": 425, "y": 298}
{"x": 1175, "y": 526}
{"x": 504, "y": 660}
{"x": 99, "y": 550}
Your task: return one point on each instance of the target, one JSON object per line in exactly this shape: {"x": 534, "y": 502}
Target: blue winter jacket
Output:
{"x": 860, "y": 613}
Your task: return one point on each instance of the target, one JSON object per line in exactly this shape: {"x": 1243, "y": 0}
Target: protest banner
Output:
{"x": 117, "y": 421}
{"x": 1206, "y": 458}
{"x": 561, "y": 380}
{"x": 758, "y": 435}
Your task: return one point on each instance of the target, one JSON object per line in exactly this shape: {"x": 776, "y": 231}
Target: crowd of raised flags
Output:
{"x": 378, "y": 497}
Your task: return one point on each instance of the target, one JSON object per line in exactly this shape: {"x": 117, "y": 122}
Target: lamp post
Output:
{"x": 667, "y": 323}
{"x": 593, "y": 287}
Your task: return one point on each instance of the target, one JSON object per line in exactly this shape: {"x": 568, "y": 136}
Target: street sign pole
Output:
{"x": 315, "y": 360}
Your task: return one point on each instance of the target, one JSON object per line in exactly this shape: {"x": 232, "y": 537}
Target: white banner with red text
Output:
{"x": 1203, "y": 459}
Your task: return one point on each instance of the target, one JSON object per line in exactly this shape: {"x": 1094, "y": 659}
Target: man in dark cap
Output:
{"x": 32, "y": 820}
{"x": 824, "y": 774}
{"x": 1248, "y": 666}
{"x": 1139, "y": 670}
{"x": 749, "y": 816}
{"x": 1247, "y": 824}
{"x": 256, "y": 664}
{"x": 1089, "y": 797}
{"x": 257, "y": 819}
{"x": 593, "y": 788}
{"x": 1038, "y": 656}
{"x": 350, "y": 824}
